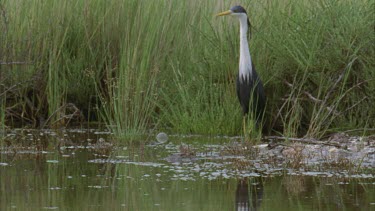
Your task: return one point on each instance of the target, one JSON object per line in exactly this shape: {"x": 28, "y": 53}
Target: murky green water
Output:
{"x": 76, "y": 170}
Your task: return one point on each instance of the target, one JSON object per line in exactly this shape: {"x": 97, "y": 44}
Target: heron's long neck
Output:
{"x": 245, "y": 67}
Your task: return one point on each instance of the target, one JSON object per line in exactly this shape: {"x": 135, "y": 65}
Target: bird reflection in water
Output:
{"x": 249, "y": 194}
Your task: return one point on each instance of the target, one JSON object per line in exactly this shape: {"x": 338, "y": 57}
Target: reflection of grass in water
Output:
{"x": 75, "y": 182}
{"x": 301, "y": 193}
{"x": 143, "y": 187}
{"x": 2, "y": 117}
{"x": 294, "y": 185}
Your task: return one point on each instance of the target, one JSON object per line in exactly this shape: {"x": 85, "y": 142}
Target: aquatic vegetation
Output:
{"x": 140, "y": 65}
{"x": 352, "y": 156}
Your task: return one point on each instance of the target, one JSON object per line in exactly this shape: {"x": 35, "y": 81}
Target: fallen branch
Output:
{"x": 314, "y": 99}
{"x": 360, "y": 129}
{"x": 357, "y": 103}
{"x": 309, "y": 95}
{"x": 13, "y": 63}
{"x": 341, "y": 76}
{"x": 10, "y": 89}
{"x": 69, "y": 117}
{"x": 302, "y": 140}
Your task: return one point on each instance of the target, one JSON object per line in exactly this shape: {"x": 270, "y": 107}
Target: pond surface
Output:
{"x": 82, "y": 170}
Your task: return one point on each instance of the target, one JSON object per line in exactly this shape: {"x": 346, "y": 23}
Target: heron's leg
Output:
{"x": 244, "y": 127}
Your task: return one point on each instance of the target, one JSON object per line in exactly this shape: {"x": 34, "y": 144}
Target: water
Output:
{"x": 80, "y": 170}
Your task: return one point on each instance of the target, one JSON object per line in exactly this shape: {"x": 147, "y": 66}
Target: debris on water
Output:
{"x": 178, "y": 158}
{"x": 102, "y": 132}
{"x": 162, "y": 137}
{"x": 341, "y": 155}
{"x": 50, "y": 208}
{"x": 97, "y": 186}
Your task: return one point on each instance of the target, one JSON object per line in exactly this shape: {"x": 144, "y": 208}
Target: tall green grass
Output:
{"x": 328, "y": 58}
{"x": 171, "y": 65}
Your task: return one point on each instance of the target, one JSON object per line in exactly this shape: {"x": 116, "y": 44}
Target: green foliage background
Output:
{"x": 138, "y": 65}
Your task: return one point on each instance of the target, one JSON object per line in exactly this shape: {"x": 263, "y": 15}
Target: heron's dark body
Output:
{"x": 250, "y": 90}
{"x": 251, "y": 95}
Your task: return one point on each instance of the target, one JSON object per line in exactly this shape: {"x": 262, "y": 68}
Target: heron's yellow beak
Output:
{"x": 228, "y": 12}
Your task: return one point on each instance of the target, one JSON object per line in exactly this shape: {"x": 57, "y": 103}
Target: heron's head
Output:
{"x": 234, "y": 11}
{"x": 238, "y": 12}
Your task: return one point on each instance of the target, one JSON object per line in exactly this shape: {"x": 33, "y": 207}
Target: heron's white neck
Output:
{"x": 245, "y": 67}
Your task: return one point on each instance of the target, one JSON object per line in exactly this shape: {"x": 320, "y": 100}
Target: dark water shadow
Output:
{"x": 249, "y": 194}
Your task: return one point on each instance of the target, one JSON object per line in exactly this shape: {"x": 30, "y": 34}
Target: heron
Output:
{"x": 250, "y": 91}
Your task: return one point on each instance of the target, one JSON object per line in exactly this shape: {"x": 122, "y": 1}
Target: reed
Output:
{"x": 141, "y": 65}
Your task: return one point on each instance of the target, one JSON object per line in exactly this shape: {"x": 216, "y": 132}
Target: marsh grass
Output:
{"x": 140, "y": 65}
{"x": 323, "y": 65}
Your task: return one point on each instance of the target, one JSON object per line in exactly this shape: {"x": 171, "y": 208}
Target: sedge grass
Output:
{"x": 171, "y": 64}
